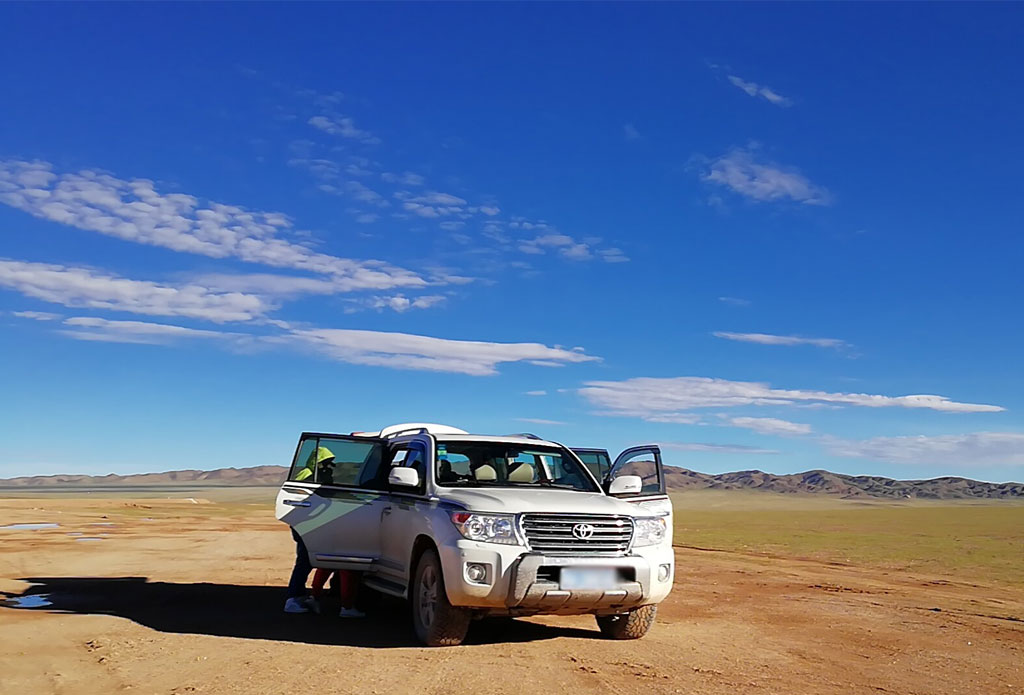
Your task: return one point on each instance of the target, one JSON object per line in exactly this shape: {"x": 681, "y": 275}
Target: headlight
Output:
{"x": 489, "y": 528}
{"x": 648, "y": 531}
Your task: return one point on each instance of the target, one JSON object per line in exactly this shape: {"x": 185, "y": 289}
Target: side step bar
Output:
{"x": 385, "y": 586}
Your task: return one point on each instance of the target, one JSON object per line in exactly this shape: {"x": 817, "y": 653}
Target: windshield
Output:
{"x": 496, "y": 464}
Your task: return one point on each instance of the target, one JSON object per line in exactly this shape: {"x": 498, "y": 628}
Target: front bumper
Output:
{"x": 526, "y": 583}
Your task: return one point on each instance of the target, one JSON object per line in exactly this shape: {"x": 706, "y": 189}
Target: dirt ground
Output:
{"x": 185, "y": 597}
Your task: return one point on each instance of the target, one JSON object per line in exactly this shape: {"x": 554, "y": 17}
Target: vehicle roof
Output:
{"x": 513, "y": 439}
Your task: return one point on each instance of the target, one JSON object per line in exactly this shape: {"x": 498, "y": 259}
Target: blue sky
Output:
{"x": 755, "y": 234}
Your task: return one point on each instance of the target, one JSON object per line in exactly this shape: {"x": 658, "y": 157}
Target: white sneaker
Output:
{"x": 351, "y": 613}
{"x": 296, "y": 605}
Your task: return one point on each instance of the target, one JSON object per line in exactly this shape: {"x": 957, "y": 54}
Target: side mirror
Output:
{"x": 405, "y": 477}
{"x": 625, "y": 485}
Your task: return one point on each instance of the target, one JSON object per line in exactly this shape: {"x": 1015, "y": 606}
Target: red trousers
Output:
{"x": 347, "y": 585}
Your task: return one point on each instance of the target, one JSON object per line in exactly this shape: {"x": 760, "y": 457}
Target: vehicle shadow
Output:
{"x": 252, "y": 612}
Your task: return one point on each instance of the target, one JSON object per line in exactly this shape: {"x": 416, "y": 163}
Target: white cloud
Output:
{"x": 367, "y": 217}
{"x": 432, "y": 204}
{"x": 401, "y": 303}
{"x": 972, "y": 449}
{"x": 734, "y": 301}
{"x": 662, "y": 399}
{"x": 630, "y": 131}
{"x": 770, "y": 425}
{"x": 405, "y": 351}
{"x": 757, "y": 90}
{"x": 81, "y": 287}
{"x": 537, "y": 393}
{"x": 140, "y": 332}
{"x": 540, "y": 421}
{"x": 134, "y": 211}
{"x": 344, "y": 127}
{"x": 769, "y": 339}
{"x": 739, "y": 171}
{"x": 407, "y": 178}
{"x": 613, "y": 255}
{"x": 489, "y": 210}
{"x": 716, "y": 448}
{"x": 36, "y": 315}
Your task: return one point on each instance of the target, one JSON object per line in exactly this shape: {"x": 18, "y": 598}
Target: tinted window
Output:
{"x": 596, "y": 462}
{"x": 299, "y": 472}
{"x": 333, "y": 461}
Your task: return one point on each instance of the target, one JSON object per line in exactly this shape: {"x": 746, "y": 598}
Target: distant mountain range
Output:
{"x": 678, "y": 479}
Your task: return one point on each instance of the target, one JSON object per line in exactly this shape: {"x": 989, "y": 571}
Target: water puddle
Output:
{"x": 89, "y": 538}
{"x": 31, "y": 601}
{"x": 26, "y": 527}
{"x": 102, "y": 523}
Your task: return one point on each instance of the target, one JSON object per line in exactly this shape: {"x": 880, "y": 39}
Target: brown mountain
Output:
{"x": 824, "y": 482}
{"x": 257, "y": 475}
{"x": 811, "y": 482}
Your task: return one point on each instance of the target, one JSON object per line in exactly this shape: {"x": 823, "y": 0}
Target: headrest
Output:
{"x": 523, "y": 473}
{"x": 485, "y": 473}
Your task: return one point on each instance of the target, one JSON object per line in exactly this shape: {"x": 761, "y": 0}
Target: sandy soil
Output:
{"x": 182, "y": 597}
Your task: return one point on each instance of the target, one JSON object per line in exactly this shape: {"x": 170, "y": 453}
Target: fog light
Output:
{"x": 663, "y": 572}
{"x": 476, "y": 572}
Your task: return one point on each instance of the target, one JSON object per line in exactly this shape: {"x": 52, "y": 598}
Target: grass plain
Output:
{"x": 967, "y": 541}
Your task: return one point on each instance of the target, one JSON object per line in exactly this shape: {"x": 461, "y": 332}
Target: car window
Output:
{"x": 499, "y": 464}
{"x": 412, "y": 456}
{"x": 336, "y": 461}
{"x": 299, "y": 472}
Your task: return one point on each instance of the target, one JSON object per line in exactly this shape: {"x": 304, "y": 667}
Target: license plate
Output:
{"x": 584, "y": 578}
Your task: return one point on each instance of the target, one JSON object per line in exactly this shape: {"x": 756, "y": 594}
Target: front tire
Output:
{"x": 633, "y": 624}
{"x": 437, "y": 622}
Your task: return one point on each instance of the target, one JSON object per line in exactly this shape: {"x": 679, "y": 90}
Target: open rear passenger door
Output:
{"x": 645, "y": 462}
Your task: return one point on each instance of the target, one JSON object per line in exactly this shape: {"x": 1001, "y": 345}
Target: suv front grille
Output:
{"x": 553, "y": 533}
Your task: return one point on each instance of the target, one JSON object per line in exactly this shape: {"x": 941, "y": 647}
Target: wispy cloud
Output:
{"x": 789, "y": 340}
{"x": 407, "y": 178}
{"x": 345, "y": 127}
{"x": 36, "y": 315}
{"x": 82, "y": 287}
{"x": 400, "y": 303}
{"x": 540, "y": 421}
{"x": 432, "y": 204}
{"x": 134, "y": 211}
{"x": 630, "y": 132}
{"x": 758, "y": 90}
{"x": 769, "y": 425}
{"x": 664, "y": 399}
{"x": 716, "y": 448}
{"x": 138, "y": 332}
{"x": 734, "y": 301}
{"x": 362, "y": 347}
{"x": 537, "y": 393}
{"x": 972, "y": 449}
{"x": 763, "y": 181}
{"x": 406, "y": 351}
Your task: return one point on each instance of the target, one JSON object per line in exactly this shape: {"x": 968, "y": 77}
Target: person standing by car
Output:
{"x": 318, "y": 468}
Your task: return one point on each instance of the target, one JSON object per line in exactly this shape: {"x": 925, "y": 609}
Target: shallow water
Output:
{"x": 26, "y": 527}
{"x": 89, "y": 538}
{"x": 30, "y": 601}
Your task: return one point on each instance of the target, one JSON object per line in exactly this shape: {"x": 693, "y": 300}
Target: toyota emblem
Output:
{"x": 583, "y": 531}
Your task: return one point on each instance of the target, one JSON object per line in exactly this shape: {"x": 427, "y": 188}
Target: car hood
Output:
{"x": 543, "y": 500}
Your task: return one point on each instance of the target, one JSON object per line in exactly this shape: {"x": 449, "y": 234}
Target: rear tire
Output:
{"x": 633, "y": 624}
{"x": 437, "y": 622}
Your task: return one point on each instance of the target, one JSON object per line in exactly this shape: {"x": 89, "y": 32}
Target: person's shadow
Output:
{"x": 254, "y": 612}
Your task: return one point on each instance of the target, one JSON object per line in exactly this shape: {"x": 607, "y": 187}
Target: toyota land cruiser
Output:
{"x": 470, "y": 526}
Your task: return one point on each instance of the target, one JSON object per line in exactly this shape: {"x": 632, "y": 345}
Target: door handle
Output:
{"x": 297, "y": 503}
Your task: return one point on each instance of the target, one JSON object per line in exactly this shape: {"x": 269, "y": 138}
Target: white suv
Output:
{"x": 470, "y": 526}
